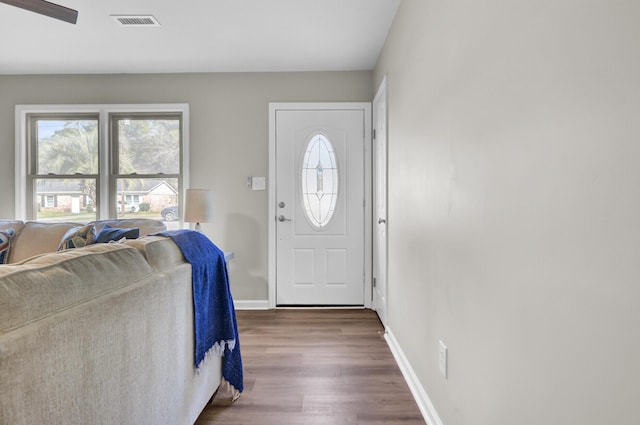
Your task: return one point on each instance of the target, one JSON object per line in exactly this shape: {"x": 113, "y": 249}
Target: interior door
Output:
{"x": 320, "y": 207}
{"x": 380, "y": 203}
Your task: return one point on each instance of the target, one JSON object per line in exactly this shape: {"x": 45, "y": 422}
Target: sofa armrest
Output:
{"x": 161, "y": 252}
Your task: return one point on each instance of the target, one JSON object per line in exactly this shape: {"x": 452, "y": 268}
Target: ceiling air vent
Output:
{"x": 136, "y": 20}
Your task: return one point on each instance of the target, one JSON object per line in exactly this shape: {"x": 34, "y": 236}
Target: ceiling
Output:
{"x": 197, "y": 36}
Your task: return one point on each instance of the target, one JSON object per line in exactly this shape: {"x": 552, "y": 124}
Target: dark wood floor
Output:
{"x": 312, "y": 367}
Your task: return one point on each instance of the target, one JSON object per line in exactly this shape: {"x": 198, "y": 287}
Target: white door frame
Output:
{"x": 271, "y": 219}
{"x": 381, "y": 305}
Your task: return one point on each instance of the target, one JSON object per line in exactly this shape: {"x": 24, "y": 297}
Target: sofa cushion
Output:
{"x": 5, "y": 244}
{"x": 78, "y": 237}
{"x": 46, "y": 284}
{"x": 108, "y": 234}
{"x": 38, "y": 238}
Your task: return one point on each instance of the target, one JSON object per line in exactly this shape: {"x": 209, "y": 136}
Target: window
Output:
{"x": 319, "y": 181}
{"x": 146, "y": 169}
{"x": 82, "y": 163}
{"x": 49, "y": 201}
{"x": 63, "y": 163}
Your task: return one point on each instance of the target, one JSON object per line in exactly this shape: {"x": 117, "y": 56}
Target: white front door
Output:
{"x": 380, "y": 202}
{"x": 320, "y": 206}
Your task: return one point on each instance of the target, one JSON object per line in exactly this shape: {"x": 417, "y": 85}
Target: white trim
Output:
{"x": 417, "y": 390}
{"x": 271, "y": 218}
{"x": 20, "y": 175}
{"x": 186, "y": 181}
{"x": 381, "y": 96}
{"x": 328, "y": 307}
{"x": 103, "y": 213}
{"x": 103, "y": 111}
{"x": 251, "y": 304}
{"x": 368, "y": 202}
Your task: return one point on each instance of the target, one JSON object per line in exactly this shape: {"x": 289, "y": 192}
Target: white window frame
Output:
{"x": 103, "y": 111}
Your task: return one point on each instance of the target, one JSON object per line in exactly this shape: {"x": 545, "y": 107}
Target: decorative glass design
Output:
{"x": 319, "y": 181}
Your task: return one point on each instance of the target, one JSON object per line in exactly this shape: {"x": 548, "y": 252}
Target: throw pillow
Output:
{"x": 108, "y": 234}
{"x": 77, "y": 237}
{"x": 5, "y": 244}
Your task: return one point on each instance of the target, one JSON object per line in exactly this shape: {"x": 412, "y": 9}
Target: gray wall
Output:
{"x": 229, "y": 140}
{"x": 514, "y": 221}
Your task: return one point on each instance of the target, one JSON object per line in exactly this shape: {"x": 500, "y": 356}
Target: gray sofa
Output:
{"x": 100, "y": 335}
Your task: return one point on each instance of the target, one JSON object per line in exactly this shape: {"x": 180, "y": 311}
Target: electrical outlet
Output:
{"x": 442, "y": 358}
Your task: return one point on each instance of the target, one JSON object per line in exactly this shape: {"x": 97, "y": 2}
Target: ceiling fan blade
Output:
{"x": 46, "y": 8}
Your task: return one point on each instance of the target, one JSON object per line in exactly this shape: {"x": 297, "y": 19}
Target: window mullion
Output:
{"x": 104, "y": 183}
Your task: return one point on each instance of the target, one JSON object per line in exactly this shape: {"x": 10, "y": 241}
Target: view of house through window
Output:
{"x": 64, "y": 164}
{"x": 139, "y": 166}
{"x": 147, "y": 170}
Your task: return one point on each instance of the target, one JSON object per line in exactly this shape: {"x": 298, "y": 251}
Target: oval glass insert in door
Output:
{"x": 319, "y": 178}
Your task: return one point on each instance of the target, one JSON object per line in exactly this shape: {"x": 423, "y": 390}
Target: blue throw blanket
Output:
{"x": 214, "y": 315}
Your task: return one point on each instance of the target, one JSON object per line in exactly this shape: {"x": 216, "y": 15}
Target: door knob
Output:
{"x": 283, "y": 218}
{"x": 381, "y": 220}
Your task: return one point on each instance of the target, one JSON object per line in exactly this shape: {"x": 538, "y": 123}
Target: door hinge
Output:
{"x": 374, "y": 282}
{"x": 374, "y": 133}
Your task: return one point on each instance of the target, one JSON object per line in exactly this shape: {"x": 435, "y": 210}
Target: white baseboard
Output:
{"x": 251, "y": 304}
{"x": 419, "y": 394}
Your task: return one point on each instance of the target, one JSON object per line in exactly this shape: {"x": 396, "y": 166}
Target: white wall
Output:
{"x": 514, "y": 221}
{"x": 229, "y": 140}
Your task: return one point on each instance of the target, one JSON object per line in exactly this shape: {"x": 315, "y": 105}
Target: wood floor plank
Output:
{"x": 315, "y": 366}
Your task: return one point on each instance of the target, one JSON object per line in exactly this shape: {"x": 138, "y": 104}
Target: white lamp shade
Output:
{"x": 198, "y": 207}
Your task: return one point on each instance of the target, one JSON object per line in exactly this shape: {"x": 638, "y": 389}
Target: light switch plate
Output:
{"x": 258, "y": 183}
